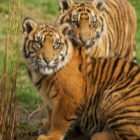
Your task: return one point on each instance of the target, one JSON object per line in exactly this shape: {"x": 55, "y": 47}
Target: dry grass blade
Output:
{"x": 10, "y": 72}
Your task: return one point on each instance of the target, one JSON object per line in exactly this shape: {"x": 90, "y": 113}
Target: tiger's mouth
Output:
{"x": 88, "y": 44}
{"x": 46, "y": 68}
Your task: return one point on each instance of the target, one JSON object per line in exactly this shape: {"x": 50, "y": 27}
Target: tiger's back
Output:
{"x": 121, "y": 24}
{"x": 108, "y": 28}
{"x": 112, "y": 100}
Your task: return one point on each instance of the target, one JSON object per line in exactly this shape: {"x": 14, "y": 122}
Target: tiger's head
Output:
{"x": 86, "y": 20}
{"x": 44, "y": 46}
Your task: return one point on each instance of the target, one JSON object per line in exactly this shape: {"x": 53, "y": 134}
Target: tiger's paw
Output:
{"x": 42, "y": 137}
{"x": 49, "y": 137}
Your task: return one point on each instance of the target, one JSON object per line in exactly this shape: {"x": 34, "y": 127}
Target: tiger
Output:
{"x": 106, "y": 27}
{"x": 101, "y": 96}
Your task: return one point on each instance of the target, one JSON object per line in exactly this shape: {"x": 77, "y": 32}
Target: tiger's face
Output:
{"x": 86, "y": 20}
{"x": 45, "y": 47}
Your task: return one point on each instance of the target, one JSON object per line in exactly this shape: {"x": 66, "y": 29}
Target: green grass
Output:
{"x": 26, "y": 93}
{"x": 29, "y": 99}
{"x": 4, "y": 7}
{"x": 41, "y": 11}
{"x": 29, "y": 127}
{"x": 136, "y": 4}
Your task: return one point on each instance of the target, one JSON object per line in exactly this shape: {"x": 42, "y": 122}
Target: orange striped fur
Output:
{"x": 101, "y": 95}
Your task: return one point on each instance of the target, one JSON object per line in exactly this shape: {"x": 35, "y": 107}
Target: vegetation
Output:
{"x": 9, "y": 69}
{"x": 136, "y": 4}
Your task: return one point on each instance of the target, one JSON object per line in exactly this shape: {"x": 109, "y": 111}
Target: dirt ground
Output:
{"x": 32, "y": 118}
{"x": 29, "y": 137}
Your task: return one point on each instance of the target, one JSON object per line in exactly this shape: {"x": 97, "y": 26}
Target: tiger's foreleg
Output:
{"x": 60, "y": 122}
{"x": 46, "y": 126}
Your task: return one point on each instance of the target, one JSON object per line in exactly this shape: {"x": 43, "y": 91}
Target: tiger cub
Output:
{"x": 102, "y": 96}
{"x": 106, "y": 27}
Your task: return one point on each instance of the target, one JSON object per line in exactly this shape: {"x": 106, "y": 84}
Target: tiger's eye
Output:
{"x": 56, "y": 45}
{"x": 79, "y": 10}
{"x": 75, "y": 24}
{"x": 92, "y": 24}
{"x": 38, "y": 44}
{"x": 88, "y": 11}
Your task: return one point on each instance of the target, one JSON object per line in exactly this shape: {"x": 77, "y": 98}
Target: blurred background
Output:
{"x": 21, "y": 109}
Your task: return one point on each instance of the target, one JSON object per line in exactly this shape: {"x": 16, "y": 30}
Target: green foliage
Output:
{"x": 29, "y": 98}
{"x": 136, "y": 4}
{"x": 4, "y": 6}
{"x": 46, "y": 6}
{"x": 41, "y": 10}
{"x": 26, "y": 93}
{"x": 9, "y": 65}
{"x": 29, "y": 127}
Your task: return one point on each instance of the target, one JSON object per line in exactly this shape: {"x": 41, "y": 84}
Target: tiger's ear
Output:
{"x": 28, "y": 25}
{"x": 65, "y": 28}
{"x": 65, "y": 5}
{"x": 99, "y": 4}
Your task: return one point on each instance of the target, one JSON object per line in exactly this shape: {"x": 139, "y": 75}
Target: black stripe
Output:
{"x": 40, "y": 80}
{"x": 86, "y": 122}
{"x": 128, "y": 117}
{"x": 65, "y": 29}
{"x": 110, "y": 16}
{"x": 133, "y": 96}
{"x": 110, "y": 43}
{"x": 121, "y": 72}
{"x": 115, "y": 65}
{"x": 123, "y": 99}
{"x": 39, "y": 83}
{"x": 117, "y": 89}
{"x": 94, "y": 80}
{"x": 55, "y": 95}
{"x": 102, "y": 73}
{"x": 117, "y": 26}
{"x": 25, "y": 45}
{"x": 50, "y": 87}
{"x": 115, "y": 126}
{"x": 119, "y": 110}
{"x": 65, "y": 18}
{"x": 132, "y": 65}
{"x": 67, "y": 46}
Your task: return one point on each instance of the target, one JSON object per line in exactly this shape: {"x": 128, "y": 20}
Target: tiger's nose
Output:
{"x": 83, "y": 40}
{"x": 46, "y": 59}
